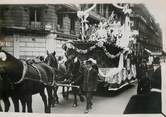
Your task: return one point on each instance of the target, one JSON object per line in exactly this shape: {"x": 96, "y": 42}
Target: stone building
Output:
{"x": 27, "y": 31}
{"x": 150, "y": 35}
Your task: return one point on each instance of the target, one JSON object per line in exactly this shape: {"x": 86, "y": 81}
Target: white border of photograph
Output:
{"x": 156, "y": 7}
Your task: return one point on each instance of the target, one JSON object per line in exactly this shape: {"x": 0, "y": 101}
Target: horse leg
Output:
{"x": 63, "y": 92}
{"x": 23, "y": 102}
{"x": 55, "y": 97}
{"x": 50, "y": 97}
{"x": 16, "y": 103}
{"x": 44, "y": 98}
{"x": 1, "y": 110}
{"x": 29, "y": 103}
{"x": 67, "y": 93}
{"x": 80, "y": 95}
{"x": 75, "y": 97}
{"x": 55, "y": 89}
{"x": 6, "y": 103}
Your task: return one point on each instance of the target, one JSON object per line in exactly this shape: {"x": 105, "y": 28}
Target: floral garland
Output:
{"x": 99, "y": 44}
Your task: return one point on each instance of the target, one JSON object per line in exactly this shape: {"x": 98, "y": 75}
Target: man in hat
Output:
{"x": 89, "y": 82}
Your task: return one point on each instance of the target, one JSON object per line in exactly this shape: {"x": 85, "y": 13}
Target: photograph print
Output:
{"x": 94, "y": 58}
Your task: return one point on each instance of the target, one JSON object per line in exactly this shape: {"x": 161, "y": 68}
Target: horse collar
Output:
{"x": 23, "y": 73}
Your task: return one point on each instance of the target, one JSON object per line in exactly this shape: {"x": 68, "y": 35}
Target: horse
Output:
{"x": 20, "y": 74}
{"x": 52, "y": 61}
{"x": 62, "y": 76}
{"x": 75, "y": 69}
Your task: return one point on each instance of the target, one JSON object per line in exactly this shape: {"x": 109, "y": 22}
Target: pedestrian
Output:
{"x": 147, "y": 103}
{"x": 89, "y": 83}
{"x": 143, "y": 80}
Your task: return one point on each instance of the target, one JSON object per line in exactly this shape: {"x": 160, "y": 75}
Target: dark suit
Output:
{"x": 89, "y": 85}
{"x": 90, "y": 80}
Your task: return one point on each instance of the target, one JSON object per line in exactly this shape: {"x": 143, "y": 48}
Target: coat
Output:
{"x": 90, "y": 80}
{"x": 144, "y": 104}
{"x": 147, "y": 103}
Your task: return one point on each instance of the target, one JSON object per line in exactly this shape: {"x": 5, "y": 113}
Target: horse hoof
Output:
{"x": 47, "y": 111}
{"x": 66, "y": 98}
{"x": 82, "y": 99}
{"x": 53, "y": 105}
{"x": 64, "y": 95}
{"x": 57, "y": 102}
{"x": 75, "y": 105}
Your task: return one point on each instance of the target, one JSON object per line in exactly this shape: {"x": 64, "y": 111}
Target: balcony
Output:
{"x": 35, "y": 26}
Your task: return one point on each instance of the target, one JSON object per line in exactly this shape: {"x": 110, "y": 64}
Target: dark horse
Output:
{"x": 26, "y": 80}
{"x": 62, "y": 77}
{"x": 75, "y": 71}
{"x": 52, "y": 61}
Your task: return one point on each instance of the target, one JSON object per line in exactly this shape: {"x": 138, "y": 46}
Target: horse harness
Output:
{"x": 25, "y": 69}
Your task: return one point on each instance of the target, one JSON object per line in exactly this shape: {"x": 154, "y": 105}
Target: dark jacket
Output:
{"x": 147, "y": 103}
{"x": 141, "y": 104}
{"x": 90, "y": 80}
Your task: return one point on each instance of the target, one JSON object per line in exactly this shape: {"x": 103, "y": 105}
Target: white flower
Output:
{"x": 100, "y": 43}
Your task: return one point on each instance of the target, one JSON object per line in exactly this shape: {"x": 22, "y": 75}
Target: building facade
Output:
{"x": 150, "y": 35}
{"x": 27, "y": 31}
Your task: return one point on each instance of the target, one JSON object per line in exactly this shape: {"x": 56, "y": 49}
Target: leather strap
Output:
{"x": 23, "y": 72}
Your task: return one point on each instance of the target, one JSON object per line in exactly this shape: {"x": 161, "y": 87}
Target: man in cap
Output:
{"x": 89, "y": 82}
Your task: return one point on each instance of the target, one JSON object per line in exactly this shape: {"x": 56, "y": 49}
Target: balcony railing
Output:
{"x": 35, "y": 26}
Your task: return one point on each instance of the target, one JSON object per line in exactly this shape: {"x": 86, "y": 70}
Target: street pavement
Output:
{"x": 114, "y": 103}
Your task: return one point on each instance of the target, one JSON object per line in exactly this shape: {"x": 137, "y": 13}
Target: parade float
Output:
{"x": 110, "y": 45}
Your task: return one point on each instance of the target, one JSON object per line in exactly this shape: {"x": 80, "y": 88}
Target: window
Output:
{"x": 3, "y": 9}
{"x": 60, "y": 21}
{"x": 72, "y": 25}
{"x": 105, "y": 10}
{"x": 35, "y": 15}
{"x": 98, "y": 8}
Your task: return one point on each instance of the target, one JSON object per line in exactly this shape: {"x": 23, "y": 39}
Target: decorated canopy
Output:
{"x": 106, "y": 54}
